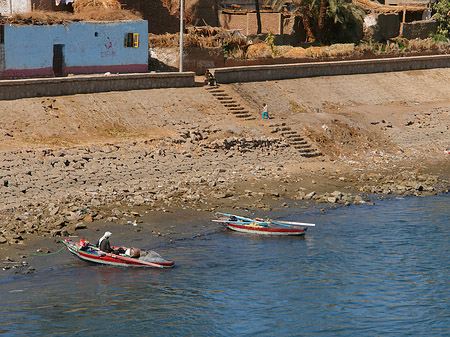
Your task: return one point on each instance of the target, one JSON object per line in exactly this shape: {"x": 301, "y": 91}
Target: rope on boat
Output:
{"x": 47, "y": 253}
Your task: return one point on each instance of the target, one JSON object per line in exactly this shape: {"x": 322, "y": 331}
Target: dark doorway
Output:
{"x": 58, "y": 59}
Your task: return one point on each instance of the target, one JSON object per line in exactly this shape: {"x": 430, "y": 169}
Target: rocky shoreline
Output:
{"x": 152, "y": 166}
{"x": 52, "y": 194}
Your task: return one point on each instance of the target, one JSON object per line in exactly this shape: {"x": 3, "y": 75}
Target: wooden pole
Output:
{"x": 181, "y": 33}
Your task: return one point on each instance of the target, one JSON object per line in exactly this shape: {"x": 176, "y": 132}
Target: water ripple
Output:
{"x": 365, "y": 271}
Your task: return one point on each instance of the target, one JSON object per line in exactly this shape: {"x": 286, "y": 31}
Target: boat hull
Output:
{"x": 97, "y": 256}
{"x": 266, "y": 230}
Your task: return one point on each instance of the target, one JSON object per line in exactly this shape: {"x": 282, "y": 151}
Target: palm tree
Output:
{"x": 258, "y": 17}
{"x": 326, "y": 20}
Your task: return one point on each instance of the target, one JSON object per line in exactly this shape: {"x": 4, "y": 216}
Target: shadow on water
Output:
{"x": 366, "y": 270}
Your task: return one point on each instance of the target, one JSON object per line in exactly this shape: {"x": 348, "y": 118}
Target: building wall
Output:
{"x": 8, "y": 7}
{"x": 270, "y": 22}
{"x": 406, "y": 2}
{"x": 243, "y": 4}
{"x": 418, "y": 29}
{"x": 2, "y": 58}
{"x": 233, "y": 21}
{"x": 88, "y": 48}
{"x": 160, "y": 20}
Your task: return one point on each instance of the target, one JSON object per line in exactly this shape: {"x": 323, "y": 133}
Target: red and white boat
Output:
{"x": 131, "y": 257}
{"x": 260, "y": 226}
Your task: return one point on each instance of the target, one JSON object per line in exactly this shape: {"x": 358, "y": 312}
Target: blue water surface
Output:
{"x": 379, "y": 270}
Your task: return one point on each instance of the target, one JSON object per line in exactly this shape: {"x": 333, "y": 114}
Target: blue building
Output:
{"x": 74, "y": 48}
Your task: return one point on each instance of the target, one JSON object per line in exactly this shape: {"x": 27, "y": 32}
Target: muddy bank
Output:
{"x": 152, "y": 166}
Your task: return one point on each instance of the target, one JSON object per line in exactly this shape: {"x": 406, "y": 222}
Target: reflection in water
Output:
{"x": 368, "y": 270}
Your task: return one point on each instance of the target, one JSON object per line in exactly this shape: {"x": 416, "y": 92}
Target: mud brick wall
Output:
{"x": 270, "y": 22}
{"x": 233, "y": 21}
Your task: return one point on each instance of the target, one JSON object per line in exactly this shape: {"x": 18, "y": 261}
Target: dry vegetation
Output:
{"x": 238, "y": 46}
{"x": 201, "y": 37}
{"x": 84, "y": 10}
{"x": 396, "y": 47}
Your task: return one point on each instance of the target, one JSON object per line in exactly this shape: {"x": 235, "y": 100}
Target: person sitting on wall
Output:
{"x": 209, "y": 78}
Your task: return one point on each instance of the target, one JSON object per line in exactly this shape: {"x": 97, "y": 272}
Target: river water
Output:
{"x": 362, "y": 271}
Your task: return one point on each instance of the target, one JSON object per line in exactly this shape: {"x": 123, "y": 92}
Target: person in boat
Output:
{"x": 104, "y": 245}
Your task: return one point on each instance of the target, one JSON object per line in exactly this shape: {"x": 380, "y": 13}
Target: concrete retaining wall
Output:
{"x": 15, "y": 89}
{"x": 286, "y": 71}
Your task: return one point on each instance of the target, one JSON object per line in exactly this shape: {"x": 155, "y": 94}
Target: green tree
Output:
{"x": 331, "y": 20}
{"x": 442, "y": 16}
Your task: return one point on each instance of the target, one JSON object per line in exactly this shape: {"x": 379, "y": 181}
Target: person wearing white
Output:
{"x": 103, "y": 244}
{"x": 265, "y": 111}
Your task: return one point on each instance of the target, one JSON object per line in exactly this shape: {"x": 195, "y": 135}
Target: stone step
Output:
{"x": 311, "y": 155}
{"x": 285, "y": 128}
{"x": 227, "y": 98}
{"x": 287, "y": 133}
{"x": 307, "y": 150}
{"x": 294, "y": 136}
{"x": 299, "y": 141}
{"x": 218, "y": 94}
{"x": 230, "y": 105}
{"x": 301, "y": 146}
{"x": 228, "y": 102}
{"x": 239, "y": 112}
{"x": 236, "y": 108}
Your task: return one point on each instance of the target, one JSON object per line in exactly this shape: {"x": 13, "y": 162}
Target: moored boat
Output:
{"x": 260, "y": 226}
{"x": 128, "y": 257}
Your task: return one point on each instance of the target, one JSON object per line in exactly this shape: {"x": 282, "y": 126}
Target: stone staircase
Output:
{"x": 296, "y": 140}
{"x": 230, "y": 103}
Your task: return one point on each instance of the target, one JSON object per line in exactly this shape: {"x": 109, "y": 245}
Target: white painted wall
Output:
{"x": 9, "y": 7}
